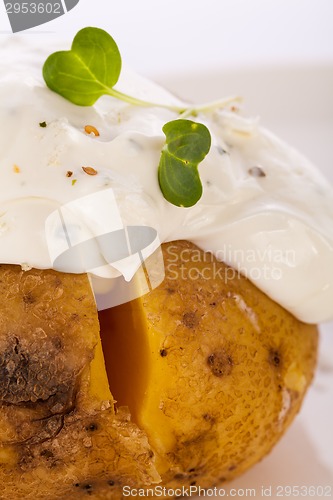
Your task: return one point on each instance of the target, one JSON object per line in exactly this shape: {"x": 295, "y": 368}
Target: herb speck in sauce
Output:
{"x": 256, "y": 172}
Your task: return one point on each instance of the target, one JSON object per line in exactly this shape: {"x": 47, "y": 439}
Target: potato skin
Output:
{"x": 230, "y": 369}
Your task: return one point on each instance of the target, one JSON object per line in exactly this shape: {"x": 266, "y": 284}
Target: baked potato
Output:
{"x": 190, "y": 384}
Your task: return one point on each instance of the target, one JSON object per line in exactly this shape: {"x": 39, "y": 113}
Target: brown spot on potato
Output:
{"x": 208, "y": 418}
{"x": 47, "y": 454}
{"x": 179, "y": 475}
{"x": 36, "y": 387}
{"x": 86, "y": 487}
{"x": 275, "y": 358}
{"x": 57, "y": 343}
{"x": 57, "y": 281}
{"x": 163, "y": 353}
{"x": 92, "y": 427}
{"x": 29, "y": 298}
{"x": 190, "y": 320}
{"x": 27, "y": 376}
{"x": 81, "y": 298}
{"x": 220, "y": 363}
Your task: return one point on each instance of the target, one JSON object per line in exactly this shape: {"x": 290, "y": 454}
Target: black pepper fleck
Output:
{"x": 256, "y": 172}
{"x": 43, "y": 124}
{"x": 221, "y": 151}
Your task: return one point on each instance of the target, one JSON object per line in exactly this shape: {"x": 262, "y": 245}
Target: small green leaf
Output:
{"x": 187, "y": 140}
{"x": 90, "y": 69}
{"x": 187, "y": 144}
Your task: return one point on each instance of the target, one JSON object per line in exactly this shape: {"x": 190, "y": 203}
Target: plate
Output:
{"x": 296, "y": 104}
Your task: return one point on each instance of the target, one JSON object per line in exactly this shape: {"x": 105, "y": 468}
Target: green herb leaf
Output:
{"x": 187, "y": 144}
{"x": 90, "y": 69}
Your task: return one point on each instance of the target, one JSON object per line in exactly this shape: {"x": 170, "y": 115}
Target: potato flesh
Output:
{"x": 126, "y": 353}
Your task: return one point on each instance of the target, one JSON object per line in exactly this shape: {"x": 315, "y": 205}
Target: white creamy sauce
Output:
{"x": 277, "y": 228}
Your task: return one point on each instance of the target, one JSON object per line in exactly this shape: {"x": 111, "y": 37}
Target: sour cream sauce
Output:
{"x": 265, "y": 209}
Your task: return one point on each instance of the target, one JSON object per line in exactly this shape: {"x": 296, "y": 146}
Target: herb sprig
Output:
{"x": 91, "y": 68}
{"x": 187, "y": 144}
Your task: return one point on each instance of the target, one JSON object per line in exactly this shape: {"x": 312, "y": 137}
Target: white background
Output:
{"x": 156, "y": 36}
{"x": 279, "y": 55}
